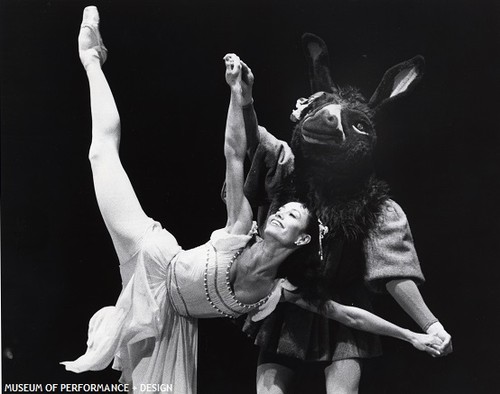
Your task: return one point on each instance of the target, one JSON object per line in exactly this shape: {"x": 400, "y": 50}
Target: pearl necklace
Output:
{"x": 228, "y": 284}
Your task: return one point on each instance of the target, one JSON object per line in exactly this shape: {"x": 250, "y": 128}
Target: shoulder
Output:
{"x": 391, "y": 216}
{"x": 221, "y": 239}
{"x": 392, "y": 209}
{"x": 392, "y": 226}
{"x": 390, "y": 251}
{"x": 269, "y": 142}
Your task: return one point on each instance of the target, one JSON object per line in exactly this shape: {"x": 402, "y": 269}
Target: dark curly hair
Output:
{"x": 304, "y": 268}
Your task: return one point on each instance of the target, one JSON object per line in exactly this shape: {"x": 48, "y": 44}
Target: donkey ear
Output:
{"x": 316, "y": 54}
{"x": 397, "y": 81}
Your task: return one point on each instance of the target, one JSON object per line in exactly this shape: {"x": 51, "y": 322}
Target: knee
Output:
{"x": 101, "y": 148}
{"x": 94, "y": 153}
{"x": 273, "y": 379}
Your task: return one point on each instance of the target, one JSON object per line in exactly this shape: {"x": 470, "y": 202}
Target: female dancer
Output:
{"x": 151, "y": 332}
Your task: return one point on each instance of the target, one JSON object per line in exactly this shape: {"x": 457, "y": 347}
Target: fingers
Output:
{"x": 429, "y": 343}
{"x": 240, "y": 78}
{"x": 433, "y": 352}
{"x": 443, "y": 347}
{"x": 446, "y": 346}
{"x": 247, "y": 74}
{"x": 434, "y": 340}
{"x": 233, "y": 64}
{"x": 449, "y": 348}
{"x": 431, "y": 347}
{"x": 434, "y": 345}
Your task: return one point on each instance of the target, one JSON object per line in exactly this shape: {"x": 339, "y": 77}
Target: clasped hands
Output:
{"x": 240, "y": 79}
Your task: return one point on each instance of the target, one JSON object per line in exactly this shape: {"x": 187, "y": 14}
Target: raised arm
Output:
{"x": 361, "y": 319}
{"x": 239, "y": 212}
{"x": 249, "y": 115}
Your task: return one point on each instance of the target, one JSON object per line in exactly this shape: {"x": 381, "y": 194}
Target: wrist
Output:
{"x": 409, "y": 336}
{"x": 236, "y": 90}
{"x": 247, "y": 102}
{"x": 92, "y": 65}
{"x": 406, "y": 335}
{"x": 433, "y": 327}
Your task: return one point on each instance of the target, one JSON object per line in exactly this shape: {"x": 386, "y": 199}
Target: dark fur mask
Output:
{"x": 334, "y": 138}
{"x": 333, "y": 143}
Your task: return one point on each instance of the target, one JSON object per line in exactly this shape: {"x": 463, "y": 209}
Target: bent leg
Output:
{"x": 119, "y": 206}
{"x": 343, "y": 376}
{"x": 275, "y": 373}
{"x": 273, "y": 378}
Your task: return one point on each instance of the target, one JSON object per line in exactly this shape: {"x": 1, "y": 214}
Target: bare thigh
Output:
{"x": 342, "y": 376}
{"x": 118, "y": 203}
{"x": 122, "y": 213}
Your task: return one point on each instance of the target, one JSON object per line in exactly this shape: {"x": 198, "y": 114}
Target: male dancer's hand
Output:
{"x": 240, "y": 78}
{"x": 438, "y": 330}
{"x": 247, "y": 80}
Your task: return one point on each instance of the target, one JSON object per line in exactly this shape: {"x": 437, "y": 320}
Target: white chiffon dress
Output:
{"x": 151, "y": 332}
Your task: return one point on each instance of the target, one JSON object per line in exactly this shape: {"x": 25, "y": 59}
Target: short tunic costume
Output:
{"x": 387, "y": 253}
{"x": 151, "y": 332}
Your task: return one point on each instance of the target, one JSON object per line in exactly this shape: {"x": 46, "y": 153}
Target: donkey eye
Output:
{"x": 360, "y": 127}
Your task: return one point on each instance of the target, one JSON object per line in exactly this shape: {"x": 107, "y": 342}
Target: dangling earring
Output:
{"x": 323, "y": 230}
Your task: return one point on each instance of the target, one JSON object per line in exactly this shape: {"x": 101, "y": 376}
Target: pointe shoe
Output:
{"x": 90, "y": 45}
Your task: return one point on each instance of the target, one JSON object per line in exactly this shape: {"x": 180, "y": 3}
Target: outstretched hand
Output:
{"x": 428, "y": 343}
{"x": 438, "y": 331}
{"x": 240, "y": 79}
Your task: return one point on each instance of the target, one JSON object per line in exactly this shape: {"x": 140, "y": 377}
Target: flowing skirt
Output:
{"x": 147, "y": 339}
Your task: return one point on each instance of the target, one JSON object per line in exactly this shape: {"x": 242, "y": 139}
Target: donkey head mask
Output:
{"x": 335, "y": 132}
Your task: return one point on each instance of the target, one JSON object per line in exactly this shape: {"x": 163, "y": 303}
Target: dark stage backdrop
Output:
{"x": 438, "y": 148}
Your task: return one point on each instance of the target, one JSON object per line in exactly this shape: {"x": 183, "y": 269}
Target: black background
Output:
{"x": 438, "y": 148}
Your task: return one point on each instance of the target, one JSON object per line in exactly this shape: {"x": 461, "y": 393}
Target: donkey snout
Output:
{"x": 329, "y": 117}
{"x": 325, "y": 124}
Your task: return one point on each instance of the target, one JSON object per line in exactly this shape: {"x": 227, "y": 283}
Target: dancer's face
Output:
{"x": 288, "y": 225}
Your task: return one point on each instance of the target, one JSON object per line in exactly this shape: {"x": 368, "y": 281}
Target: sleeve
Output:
{"x": 272, "y": 160}
{"x": 264, "y": 310}
{"x": 251, "y": 129}
{"x": 224, "y": 241}
{"x": 389, "y": 250}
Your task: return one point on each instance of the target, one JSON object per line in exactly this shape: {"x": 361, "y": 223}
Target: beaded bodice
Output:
{"x": 231, "y": 307}
{"x": 199, "y": 280}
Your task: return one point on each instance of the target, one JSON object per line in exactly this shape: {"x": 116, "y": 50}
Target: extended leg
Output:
{"x": 119, "y": 206}
{"x": 342, "y": 377}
